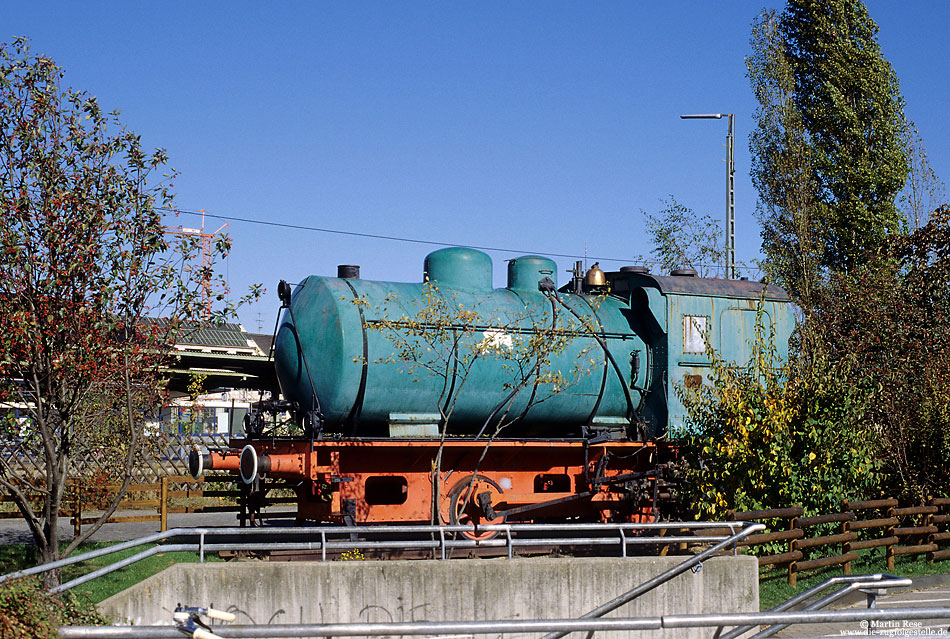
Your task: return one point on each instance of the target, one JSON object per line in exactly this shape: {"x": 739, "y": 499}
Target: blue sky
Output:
{"x": 540, "y": 127}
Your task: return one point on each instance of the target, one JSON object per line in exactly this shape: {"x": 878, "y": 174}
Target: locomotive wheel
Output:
{"x": 463, "y": 512}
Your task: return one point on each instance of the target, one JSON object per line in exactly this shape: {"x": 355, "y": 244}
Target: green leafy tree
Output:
{"x": 684, "y": 239}
{"x": 829, "y": 155}
{"x": 782, "y": 168}
{"x": 852, "y": 109}
{"x": 861, "y": 408}
{"x": 84, "y": 264}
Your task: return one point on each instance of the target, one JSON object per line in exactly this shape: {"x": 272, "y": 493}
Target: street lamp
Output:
{"x": 730, "y": 186}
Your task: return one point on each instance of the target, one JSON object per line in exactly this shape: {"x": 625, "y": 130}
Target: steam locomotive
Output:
{"x": 451, "y": 401}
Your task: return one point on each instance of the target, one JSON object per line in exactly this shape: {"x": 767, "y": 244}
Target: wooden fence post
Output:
{"x": 163, "y": 504}
{"x": 940, "y": 520}
{"x": 77, "y": 511}
{"x": 792, "y": 547}
{"x": 928, "y": 522}
{"x": 845, "y": 529}
{"x": 889, "y": 548}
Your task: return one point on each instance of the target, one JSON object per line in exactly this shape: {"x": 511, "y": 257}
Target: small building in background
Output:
{"x": 228, "y": 368}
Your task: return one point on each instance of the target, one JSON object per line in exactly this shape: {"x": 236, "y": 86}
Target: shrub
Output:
{"x": 767, "y": 434}
{"x": 892, "y": 318}
{"x": 29, "y": 612}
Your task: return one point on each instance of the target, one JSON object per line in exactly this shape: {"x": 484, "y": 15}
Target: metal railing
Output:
{"x": 872, "y": 585}
{"x": 777, "y": 619}
{"x": 438, "y": 539}
{"x": 647, "y": 586}
{"x": 564, "y": 626}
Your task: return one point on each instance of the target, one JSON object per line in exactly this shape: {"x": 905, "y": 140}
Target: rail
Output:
{"x": 435, "y": 628}
{"x": 664, "y": 577}
{"x": 871, "y": 584}
{"x": 439, "y": 539}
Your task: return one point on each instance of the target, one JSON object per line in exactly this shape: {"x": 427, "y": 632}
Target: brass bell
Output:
{"x": 595, "y": 276}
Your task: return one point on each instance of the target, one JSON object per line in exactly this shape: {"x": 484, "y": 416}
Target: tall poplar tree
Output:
{"x": 783, "y": 168}
{"x": 834, "y": 160}
{"x": 846, "y": 99}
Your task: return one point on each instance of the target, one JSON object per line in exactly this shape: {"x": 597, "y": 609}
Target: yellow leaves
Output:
{"x": 196, "y": 385}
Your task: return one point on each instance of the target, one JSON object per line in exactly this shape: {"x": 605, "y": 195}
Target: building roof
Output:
{"x": 712, "y": 287}
{"x": 215, "y": 336}
{"x": 263, "y": 341}
{"x": 225, "y": 353}
{"x": 211, "y": 337}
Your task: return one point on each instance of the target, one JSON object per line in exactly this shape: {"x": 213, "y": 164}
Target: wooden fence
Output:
{"x": 156, "y": 496}
{"x": 160, "y": 497}
{"x": 159, "y": 480}
{"x": 807, "y": 543}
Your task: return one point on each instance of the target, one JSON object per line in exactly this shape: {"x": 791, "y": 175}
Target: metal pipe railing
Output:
{"x": 851, "y": 582}
{"x": 105, "y": 570}
{"x": 513, "y": 626}
{"x": 664, "y": 577}
{"x": 92, "y": 554}
{"x": 435, "y": 538}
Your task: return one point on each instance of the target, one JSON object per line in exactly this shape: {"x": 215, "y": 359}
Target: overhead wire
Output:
{"x": 396, "y": 238}
{"x": 375, "y": 236}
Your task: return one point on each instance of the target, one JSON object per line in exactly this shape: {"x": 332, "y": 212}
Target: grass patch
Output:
{"x": 774, "y": 588}
{"x": 18, "y": 556}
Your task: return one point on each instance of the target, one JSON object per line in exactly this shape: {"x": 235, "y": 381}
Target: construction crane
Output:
{"x": 205, "y": 240}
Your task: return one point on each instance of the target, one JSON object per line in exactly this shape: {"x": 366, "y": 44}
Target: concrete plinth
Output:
{"x": 466, "y": 589}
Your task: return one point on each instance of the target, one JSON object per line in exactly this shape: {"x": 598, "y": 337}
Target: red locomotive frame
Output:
{"x": 361, "y": 481}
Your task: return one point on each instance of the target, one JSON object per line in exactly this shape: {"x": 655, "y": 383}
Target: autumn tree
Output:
{"x": 892, "y": 319}
{"x": 767, "y": 433}
{"x": 84, "y": 264}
